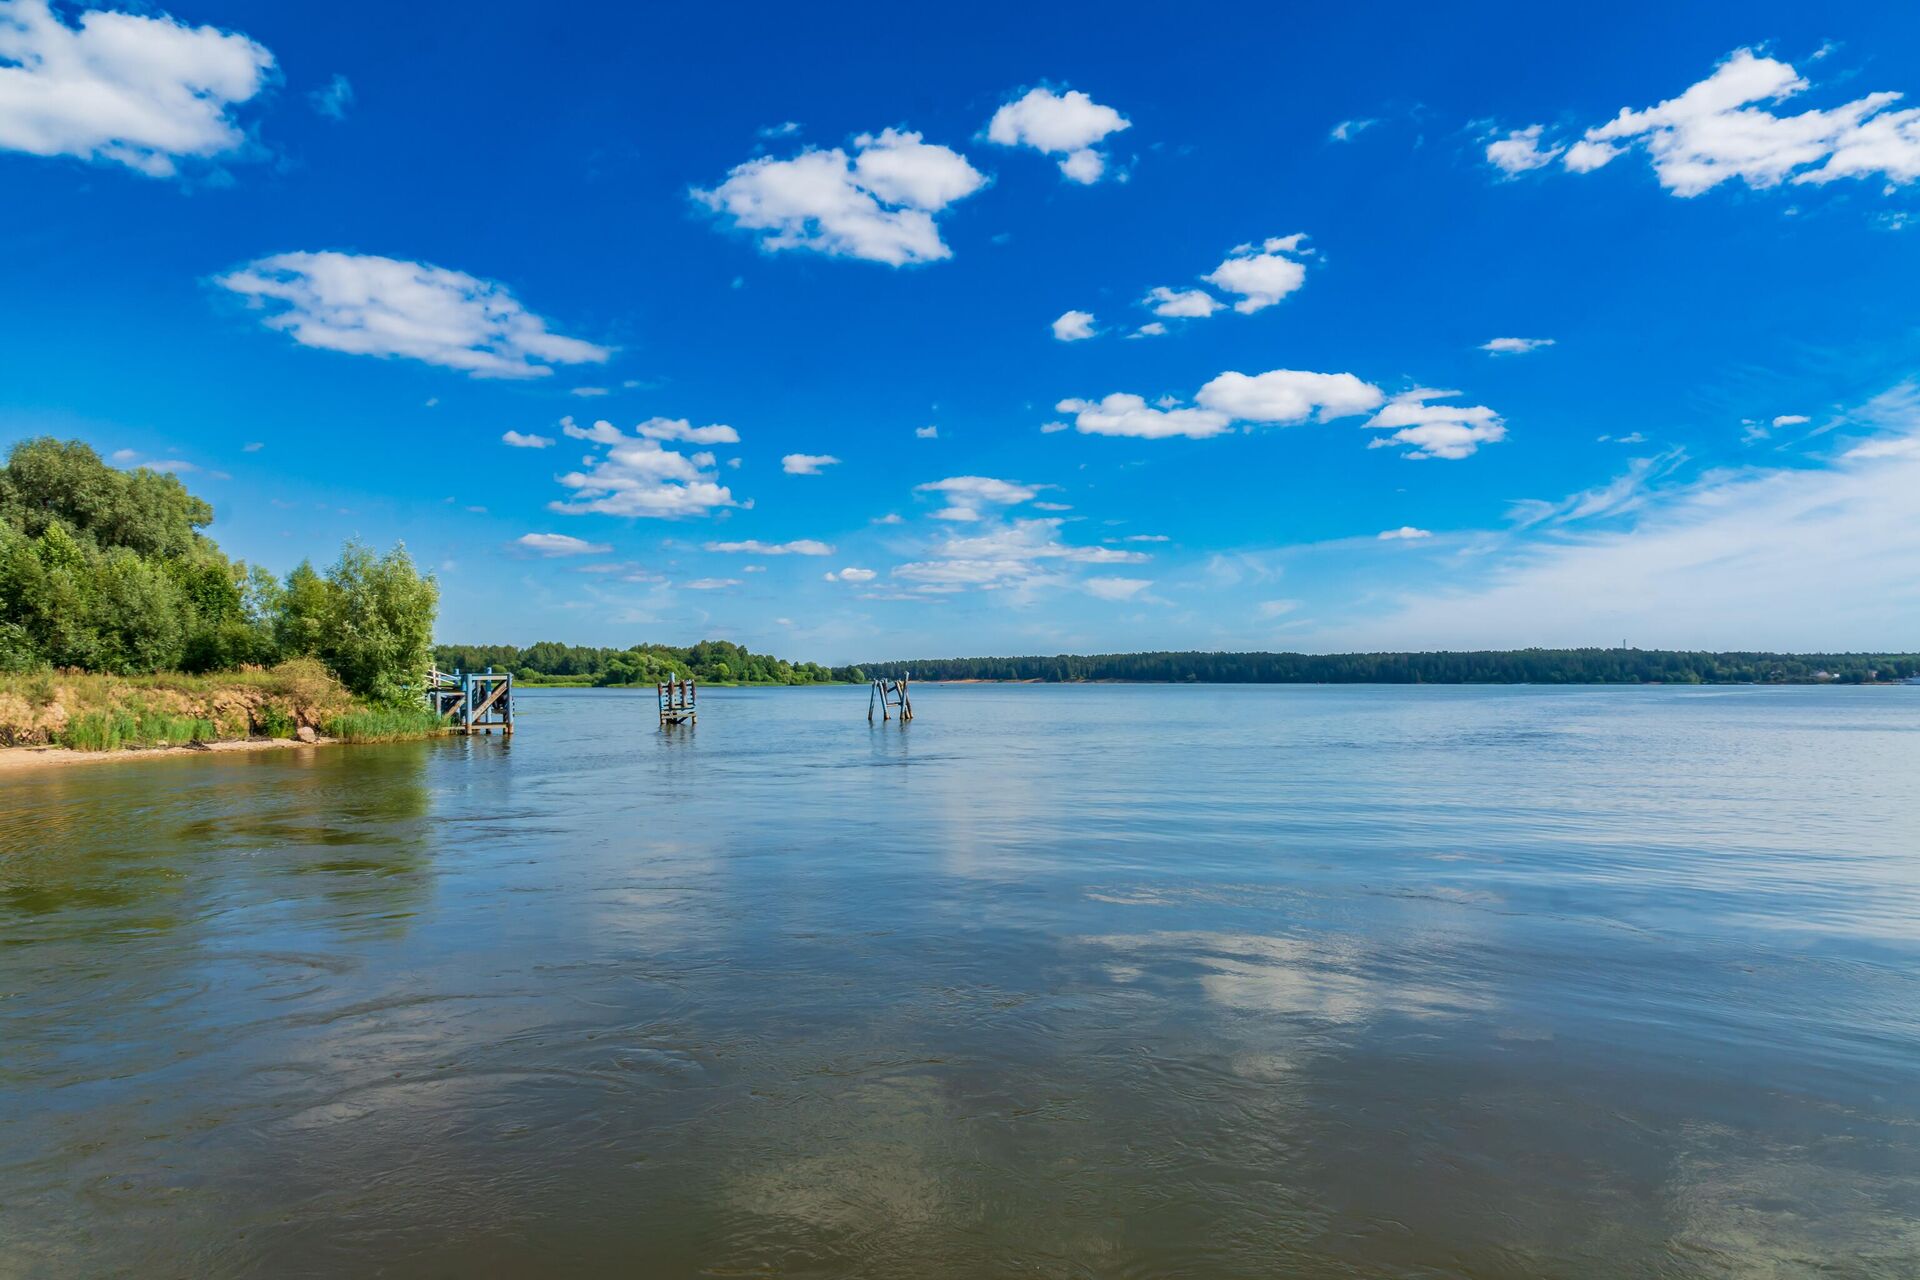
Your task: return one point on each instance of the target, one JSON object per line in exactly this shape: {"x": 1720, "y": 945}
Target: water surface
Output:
{"x": 1056, "y": 981}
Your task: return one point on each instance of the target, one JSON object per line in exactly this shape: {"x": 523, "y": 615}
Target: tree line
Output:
{"x": 711, "y": 660}
{"x": 109, "y": 570}
{"x": 1513, "y": 666}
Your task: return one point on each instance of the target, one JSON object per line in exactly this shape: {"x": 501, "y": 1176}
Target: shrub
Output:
{"x": 385, "y": 724}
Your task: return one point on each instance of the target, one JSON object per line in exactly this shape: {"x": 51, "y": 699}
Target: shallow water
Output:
{"x": 1075, "y": 981}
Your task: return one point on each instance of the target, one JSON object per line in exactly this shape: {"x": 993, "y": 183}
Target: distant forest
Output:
{"x": 1515, "y": 666}
{"x": 722, "y": 660}
{"x": 551, "y": 662}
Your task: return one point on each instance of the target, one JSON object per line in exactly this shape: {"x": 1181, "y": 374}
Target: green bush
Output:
{"x": 277, "y": 723}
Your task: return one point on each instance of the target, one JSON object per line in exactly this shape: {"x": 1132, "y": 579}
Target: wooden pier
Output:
{"x": 472, "y": 702}
{"x": 678, "y": 701}
{"x": 890, "y": 694}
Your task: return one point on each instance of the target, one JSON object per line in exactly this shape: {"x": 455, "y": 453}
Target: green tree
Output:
{"x": 377, "y": 631}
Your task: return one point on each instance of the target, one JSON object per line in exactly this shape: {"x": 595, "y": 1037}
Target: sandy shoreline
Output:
{"x": 12, "y": 758}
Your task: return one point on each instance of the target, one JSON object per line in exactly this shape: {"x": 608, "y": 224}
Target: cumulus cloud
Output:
{"x": 1073, "y": 326}
{"x": 1125, "y": 414}
{"x": 560, "y": 544}
{"x": 877, "y": 204}
{"x": 526, "y": 439}
{"x": 368, "y": 305}
{"x": 640, "y": 477}
{"x": 142, "y": 91}
{"x": 851, "y": 574}
{"x": 1288, "y": 396}
{"x": 927, "y": 433}
{"x": 681, "y": 429}
{"x": 1181, "y": 303}
{"x": 1261, "y": 274}
{"x": 1436, "y": 430}
{"x": 1405, "y": 533}
{"x": 1514, "y": 346}
{"x": 1791, "y": 420}
{"x": 1069, "y": 125}
{"x": 753, "y": 546}
{"x": 807, "y": 464}
{"x": 1722, "y": 129}
{"x": 1520, "y": 150}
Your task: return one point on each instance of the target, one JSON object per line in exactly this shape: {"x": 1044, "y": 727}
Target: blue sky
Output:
{"x": 1028, "y": 329}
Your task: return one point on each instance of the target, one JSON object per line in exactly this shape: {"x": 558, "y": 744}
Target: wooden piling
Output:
{"x": 890, "y": 694}
{"x": 679, "y": 701}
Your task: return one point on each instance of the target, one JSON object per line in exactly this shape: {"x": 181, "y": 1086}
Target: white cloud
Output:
{"x": 958, "y": 513}
{"x": 1436, "y": 430}
{"x": 560, "y": 544}
{"x": 142, "y": 91}
{"x": 1288, "y": 395}
{"x": 368, "y": 305}
{"x": 1269, "y": 609}
{"x": 785, "y": 129}
{"x": 1348, "y": 130}
{"x": 1069, "y": 125}
{"x": 927, "y": 433}
{"x": 1405, "y": 532}
{"x": 852, "y": 574}
{"x": 711, "y": 584}
{"x": 1514, "y": 346}
{"x": 526, "y": 440}
{"x": 1792, "y": 558}
{"x": 640, "y": 477}
{"x": 807, "y": 464}
{"x": 1073, "y": 326}
{"x": 1151, "y": 329}
{"x": 681, "y": 429}
{"x": 1124, "y": 414}
{"x": 1791, "y": 420}
{"x": 752, "y": 546}
{"x": 1019, "y": 553}
{"x": 984, "y": 489}
{"x": 589, "y": 393}
{"x": 1116, "y": 588}
{"x": 334, "y": 100}
{"x": 1261, "y": 274}
{"x": 1623, "y": 494}
{"x": 1181, "y": 303}
{"x": 601, "y": 432}
{"x": 878, "y": 204}
{"x": 1519, "y": 151}
{"x": 1717, "y": 131}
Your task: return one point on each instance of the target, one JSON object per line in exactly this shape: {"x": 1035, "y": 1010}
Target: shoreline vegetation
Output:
{"x": 123, "y": 626}
{"x": 1504, "y": 666}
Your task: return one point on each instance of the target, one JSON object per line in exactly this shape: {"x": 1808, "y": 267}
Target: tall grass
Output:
{"x": 133, "y": 727}
{"x": 385, "y": 724}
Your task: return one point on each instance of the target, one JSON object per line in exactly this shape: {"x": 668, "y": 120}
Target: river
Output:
{"x": 1057, "y": 981}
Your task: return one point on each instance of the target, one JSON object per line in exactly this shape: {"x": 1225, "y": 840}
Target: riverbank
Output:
{"x": 91, "y": 714}
{"x": 16, "y": 758}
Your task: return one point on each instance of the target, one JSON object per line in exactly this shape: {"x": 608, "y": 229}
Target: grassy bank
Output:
{"x": 88, "y": 711}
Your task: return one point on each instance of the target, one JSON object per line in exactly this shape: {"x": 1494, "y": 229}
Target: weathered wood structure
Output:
{"x": 678, "y": 701}
{"x": 472, "y": 702}
{"x": 890, "y": 694}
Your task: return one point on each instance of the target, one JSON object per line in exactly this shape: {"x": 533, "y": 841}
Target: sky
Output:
{"x": 880, "y": 333}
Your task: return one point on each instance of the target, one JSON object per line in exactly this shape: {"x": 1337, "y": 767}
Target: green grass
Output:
{"x": 133, "y": 727}
{"x": 385, "y": 724}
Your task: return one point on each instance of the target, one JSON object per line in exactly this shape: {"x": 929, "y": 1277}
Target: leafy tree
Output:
{"x": 376, "y": 628}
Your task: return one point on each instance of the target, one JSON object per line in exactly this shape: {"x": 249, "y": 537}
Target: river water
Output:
{"x": 1055, "y": 981}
